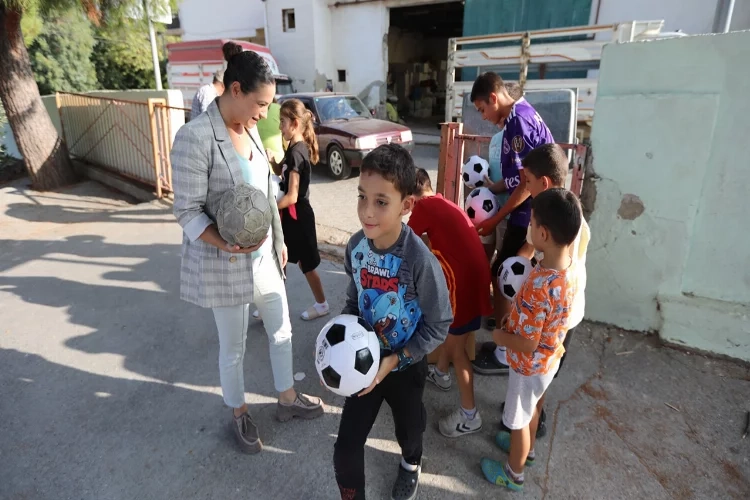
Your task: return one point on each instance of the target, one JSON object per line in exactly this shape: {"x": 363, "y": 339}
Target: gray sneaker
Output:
{"x": 442, "y": 382}
{"x": 305, "y": 407}
{"x": 246, "y": 433}
{"x": 457, "y": 424}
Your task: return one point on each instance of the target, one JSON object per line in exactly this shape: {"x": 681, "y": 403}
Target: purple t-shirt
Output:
{"x": 524, "y": 131}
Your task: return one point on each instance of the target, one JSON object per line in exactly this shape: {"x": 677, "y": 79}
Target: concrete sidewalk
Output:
{"x": 109, "y": 386}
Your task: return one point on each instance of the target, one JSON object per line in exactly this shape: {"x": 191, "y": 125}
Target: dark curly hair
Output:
{"x": 394, "y": 164}
{"x": 246, "y": 67}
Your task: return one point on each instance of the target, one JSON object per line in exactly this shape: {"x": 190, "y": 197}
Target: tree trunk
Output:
{"x": 44, "y": 152}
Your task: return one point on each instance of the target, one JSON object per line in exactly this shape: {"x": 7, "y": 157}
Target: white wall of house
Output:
{"x": 691, "y": 16}
{"x": 204, "y": 20}
{"x": 328, "y": 38}
{"x": 295, "y": 50}
{"x": 325, "y": 69}
{"x": 360, "y": 47}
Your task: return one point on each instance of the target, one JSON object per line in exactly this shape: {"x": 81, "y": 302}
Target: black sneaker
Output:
{"x": 486, "y": 363}
{"x": 541, "y": 431}
{"x": 407, "y": 484}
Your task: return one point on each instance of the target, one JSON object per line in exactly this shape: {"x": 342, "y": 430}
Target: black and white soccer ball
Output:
{"x": 474, "y": 172}
{"x": 347, "y": 354}
{"x": 277, "y": 185}
{"x": 244, "y": 215}
{"x": 481, "y": 204}
{"x": 512, "y": 275}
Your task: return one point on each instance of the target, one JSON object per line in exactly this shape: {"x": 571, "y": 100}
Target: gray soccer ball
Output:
{"x": 244, "y": 216}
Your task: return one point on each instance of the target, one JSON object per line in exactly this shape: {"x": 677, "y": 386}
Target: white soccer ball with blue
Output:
{"x": 480, "y": 205}
{"x": 475, "y": 171}
{"x": 278, "y": 188}
{"x": 512, "y": 274}
{"x": 347, "y": 355}
{"x": 244, "y": 216}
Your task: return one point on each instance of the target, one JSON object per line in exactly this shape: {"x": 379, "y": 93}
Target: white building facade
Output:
{"x": 345, "y": 42}
{"x": 207, "y": 20}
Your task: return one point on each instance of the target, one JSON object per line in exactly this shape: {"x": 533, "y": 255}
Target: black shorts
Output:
{"x": 300, "y": 238}
{"x": 513, "y": 240}
{"x": 472, "y": 326}
{"x": 566, "y": 343}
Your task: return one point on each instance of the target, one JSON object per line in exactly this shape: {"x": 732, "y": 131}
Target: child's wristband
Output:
{"x": 403, "y": 360}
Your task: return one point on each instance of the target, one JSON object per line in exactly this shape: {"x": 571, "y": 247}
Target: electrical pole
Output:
{"x": 154, "y": 50}
{"x": 723, "y": 16}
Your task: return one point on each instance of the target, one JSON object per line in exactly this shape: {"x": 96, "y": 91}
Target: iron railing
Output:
{"x": 130, "y": 138}
{"x": 453, "y": 151}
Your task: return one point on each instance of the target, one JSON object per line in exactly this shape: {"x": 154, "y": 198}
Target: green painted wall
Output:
{"x": 667, "y": 251}
{"x": 484, "y": 17}
{"x": 488, "y": 17}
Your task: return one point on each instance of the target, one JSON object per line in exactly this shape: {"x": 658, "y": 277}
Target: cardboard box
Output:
{"x": 470, "y": 349}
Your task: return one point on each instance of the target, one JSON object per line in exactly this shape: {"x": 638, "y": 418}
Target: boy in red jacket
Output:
{"x": 454, "y": 241}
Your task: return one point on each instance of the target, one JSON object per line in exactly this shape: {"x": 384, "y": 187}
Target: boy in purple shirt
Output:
{"x": 524, "y": 131}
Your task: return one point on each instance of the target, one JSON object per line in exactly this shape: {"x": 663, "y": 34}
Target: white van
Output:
{"x": 190, "y": 65}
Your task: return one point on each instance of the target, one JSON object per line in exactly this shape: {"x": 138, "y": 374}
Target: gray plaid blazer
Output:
{"x": 204, "y": 166}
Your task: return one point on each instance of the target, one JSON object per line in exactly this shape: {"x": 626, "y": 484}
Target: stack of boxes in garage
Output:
{"x": 421, "y": 86}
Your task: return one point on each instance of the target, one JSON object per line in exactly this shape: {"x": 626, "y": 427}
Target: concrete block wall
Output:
{"x": 669, "y": 251}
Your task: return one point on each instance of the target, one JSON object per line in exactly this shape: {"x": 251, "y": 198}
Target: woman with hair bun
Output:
{"x": 212, "y": 153}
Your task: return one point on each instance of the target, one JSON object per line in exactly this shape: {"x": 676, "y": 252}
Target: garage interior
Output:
{"x": 417, "y": 57}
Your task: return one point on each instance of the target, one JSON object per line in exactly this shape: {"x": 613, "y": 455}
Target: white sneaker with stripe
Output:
{"x": 458, "y": 424}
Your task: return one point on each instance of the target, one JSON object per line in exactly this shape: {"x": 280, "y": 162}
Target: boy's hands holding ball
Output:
{"x": 387, "y": 365}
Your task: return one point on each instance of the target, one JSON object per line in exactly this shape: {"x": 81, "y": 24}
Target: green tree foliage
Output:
{"x": 122, "y": 57}
{"x": 61, "y": 53}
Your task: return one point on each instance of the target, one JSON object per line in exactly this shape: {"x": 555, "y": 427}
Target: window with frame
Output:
{"x": 290, "y": 23}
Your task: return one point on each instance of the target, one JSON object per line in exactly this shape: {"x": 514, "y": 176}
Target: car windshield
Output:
{"x": 341, "y": 108}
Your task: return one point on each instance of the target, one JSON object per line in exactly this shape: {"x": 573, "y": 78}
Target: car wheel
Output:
{"x": 338, "y": 167}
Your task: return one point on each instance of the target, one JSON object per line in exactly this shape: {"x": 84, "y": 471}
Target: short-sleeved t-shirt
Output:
{"x": 576, "y": 272}
{"x": 297, "y": 158}
{"x": 456, "y": 244}
{"x": 202, "y": 99}
{"x": 540, "y": 312}
{"x": 524, "y": 131}
{"x": 496, "y": 173}
{"x": 268, "y": 128}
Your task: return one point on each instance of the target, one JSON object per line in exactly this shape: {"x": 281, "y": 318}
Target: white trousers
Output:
{"x": 269, "y": 296}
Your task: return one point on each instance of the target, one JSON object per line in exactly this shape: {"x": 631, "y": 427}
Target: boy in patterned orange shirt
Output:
{"x": 534, "y": 331}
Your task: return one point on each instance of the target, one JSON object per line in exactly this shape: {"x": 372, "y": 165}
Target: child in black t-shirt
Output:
{"x": 297, "y": 217}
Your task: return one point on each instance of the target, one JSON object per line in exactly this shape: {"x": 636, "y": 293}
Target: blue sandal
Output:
{"x": 495, "y": 473}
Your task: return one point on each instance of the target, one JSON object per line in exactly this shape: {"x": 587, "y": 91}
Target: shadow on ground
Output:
{"x": 108, "y": 390}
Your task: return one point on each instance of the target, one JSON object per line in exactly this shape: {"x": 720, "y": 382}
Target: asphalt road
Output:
{"x": 335, "y": 202}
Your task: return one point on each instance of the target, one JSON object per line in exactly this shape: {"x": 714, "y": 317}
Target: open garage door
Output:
{"x": 417, "y": 54}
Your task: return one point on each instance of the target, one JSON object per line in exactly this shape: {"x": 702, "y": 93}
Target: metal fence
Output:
{"x": 455, "y": 146}
{"x": 130, "y": 138}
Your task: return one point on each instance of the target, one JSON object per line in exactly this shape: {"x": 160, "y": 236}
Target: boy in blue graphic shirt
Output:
{"x": 398, "y": 286}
